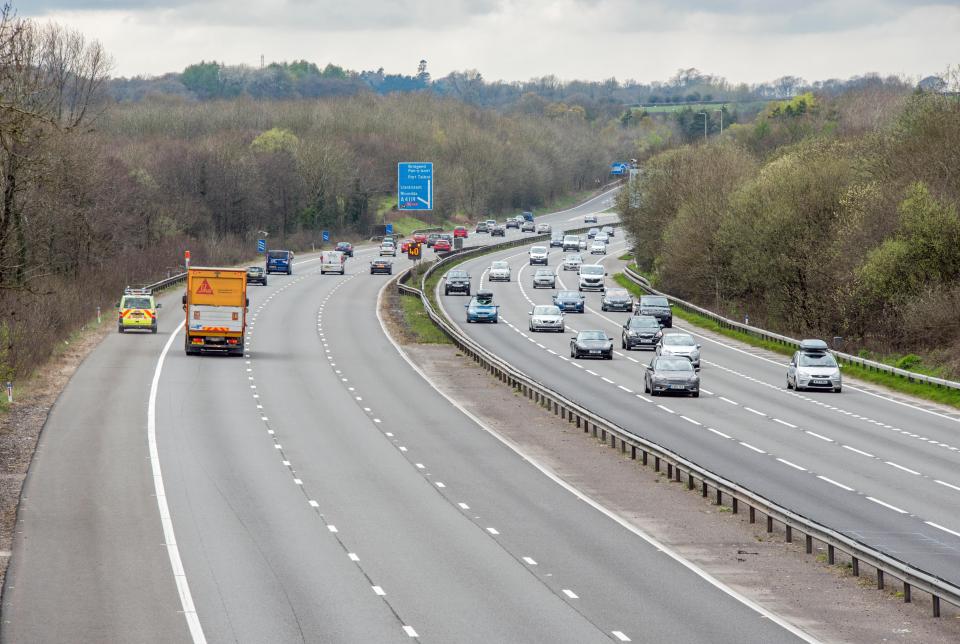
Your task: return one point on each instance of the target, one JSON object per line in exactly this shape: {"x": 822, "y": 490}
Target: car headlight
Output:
{"x": 658, "y": 378}
{"x": 695, "y": 354}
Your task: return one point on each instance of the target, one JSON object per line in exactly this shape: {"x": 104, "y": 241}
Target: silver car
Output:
{"x": 546, "y": 317}
{"x": 539, "y": 254}
{"x": 602, "y": 237}
{"x": 499, "y": 272}
{"x": 680, "y": 344}
{"x": 583, "y": 242}
{"x": 814, "y": 369}
{"x": 544, "y": 278}
{"x": 671, "y": 375}
{"x": 543, "y": 229}
{"x": 572, "y": 262}
{"x": 598, "y": 248}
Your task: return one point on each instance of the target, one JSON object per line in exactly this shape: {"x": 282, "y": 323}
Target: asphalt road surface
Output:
{"x": 320, "y": 490}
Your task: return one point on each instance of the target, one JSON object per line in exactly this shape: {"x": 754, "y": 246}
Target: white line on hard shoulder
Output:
{"x": 832, "y": 482}
{"x": 886, "y": 505}
{"x": 166, "y": 521}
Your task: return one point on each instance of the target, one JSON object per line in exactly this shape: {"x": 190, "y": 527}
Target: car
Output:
{"x": 137, "y": 310}
{"x": 381, "y": 265}
{"x": 512, "y": 223}
{"x": 657, "y": 306}
{"x": 442, "y": 245}
{"x": 591, "y": 278}
{"x": 406, "y": 244}
{"x": 387, "y": 248}
{"x": 527, "y": 215}
{"x": 640, "y": 331}
{"x": 598, "y": 248}
{"x": 345, "y": 247}
{"x": 570, "y": 301}
{"x": 590, "y": 218}
{"x": 389, "y": 238}
{"x": 280, "y": 261}
{"x": 432, "y": 237}
{"x": 572, "y": 262}
{"x": 539, "y": 255}
{"x": 460, "y": 231}
{"x": 498, "y": 231}
{"x": 667, "y": 374}
{"x": 583, "y": 242}
{"x": 527, "y": 227}
{"x": 256, "y": 275}
{"x": 447, "y": 236}
{"x": 545, "y": 278}
{"x": 491, "y": 224}
{"x": 333, "y": 261}
{"x": 482, "y": 227}
{"x": 570, "y": 242}
{"x": 593, "y": 344}
{"x": 420, "y": 238}
{"x": 543, "y": 229}
{"x": 482, "y": 309}
{"x": 593, "y": 232}
{"x": 457, "y": 281}
{"x": 546, "y": 317}
{"x": 556, "y": 239}
{"x": 680, "y": 344}
{"x": 814, "y": 367}
{"x": 602, "y": 237}
{"x": 607, "y": 230}
{"x": 499, "y": 272}
{"x": 616, "y": 299}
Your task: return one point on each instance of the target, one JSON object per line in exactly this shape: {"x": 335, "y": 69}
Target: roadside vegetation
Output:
{"x": 824, "y": 217}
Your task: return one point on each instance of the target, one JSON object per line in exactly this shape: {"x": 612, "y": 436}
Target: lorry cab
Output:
{"x": 332, "y": 261}
{"x": 137, "y": 310}
{"x": 280, "y": 261}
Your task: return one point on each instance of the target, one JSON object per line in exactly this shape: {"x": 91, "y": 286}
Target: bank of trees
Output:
{"x": 834, "y": 217}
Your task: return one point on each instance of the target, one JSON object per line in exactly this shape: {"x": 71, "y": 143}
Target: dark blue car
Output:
{"x": 482, "y": 309}
{"x": 280, "y": 261}
{"x": 569, "y": 301}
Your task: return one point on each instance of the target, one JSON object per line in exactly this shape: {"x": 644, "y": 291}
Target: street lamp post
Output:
{"x": 704, "y": 115}
{"x": 721, "y": 119}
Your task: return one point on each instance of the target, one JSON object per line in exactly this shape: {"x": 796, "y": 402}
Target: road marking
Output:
{"x": 754, "y": 411}
{"x": 783, "y": 422}
{"x": 286, "y": 463}
{"x": 530, "y": 561}
{"x": 793, "y": 465}
{"x": 901, "y": 467}
{"x": 749, "y": 446}
{"x": 607, "y": 380}
{"x": 940, "y": 527}
{"x": 440, "y": 484}
{"x": 166, "y": 521}
{"x": 709, "y": 393}
{"x": 353, "y": 556}
{"x": 493, "y": 531}
{"x": 620, "y": 636}
{"x": 644, "y": 398}
{"x": 410, "y": 632}
{"x": 377, "y": 420}
{"x": 944, "y": 483}
{"x": 378, "y": 591}
{"x": 666, "y": 409}
{"x": 629, "y": 391}
{"x": 690, "y": 420}
{"x": 592, "y": 373}
{"x": 420, "y": 466}
{"x": 402, "y": 448}
{"x": 297, "y": 482}
{"x": 389, "y": 434}
{"x": 313, "y": 504}
{"x": 832, "y": 482}
{"x": 886, "y": 505}
{"x": 728, "y": 400}
{"x": 332, "y": 528}
{"x": 578, "y": 366}
{"x": 859, "y": 451}
{"x": 717, "y": 432}
{"x": 633, "y": 360}
{"x": 569, "y": 593}
{"x": 816, "y": 435}
{"x": 463, "y": 506}
{"x": 551, "y": 351}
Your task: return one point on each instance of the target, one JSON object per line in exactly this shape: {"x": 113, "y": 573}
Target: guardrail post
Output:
{"x": 936, "y": 605}
{"x": 603, "y": 434}
{"x": 733, "y": 505}
{"x": 703, "y": 489}
{"x": 809, "y": 541}
{"x": 656, "y": 463}
{"x": 753, "y": 514}
{"x": 879, "y": 579}
{"x": 906, "y": 593}
{"x": 769, "y": 523}
{"x": 856, "y": 566}
{"x": 831, "y": 555}
{"x": 788, "y": 531}
{"x": 644, "y": 457}
{"x": 633, "y": 452}
{"x": 670, "y": 471}
{"x": 689, "y": 481}
{"x": 719, "y": 497}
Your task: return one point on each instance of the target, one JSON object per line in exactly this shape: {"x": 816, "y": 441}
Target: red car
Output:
{"x": 420, "y": 238}
{"x": 460, "y": 231}
{"x": 442, "y": 245}
{"x": 406, "y": 244}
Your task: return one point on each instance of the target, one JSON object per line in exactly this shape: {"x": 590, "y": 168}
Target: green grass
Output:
{"x": 920, "y": 390}
{"x": 626, "y": 257}
{"x": 419, "y": 323}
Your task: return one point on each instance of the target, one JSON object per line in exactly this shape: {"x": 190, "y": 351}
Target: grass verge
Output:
{"x": 419, "y": 324}
{"x": 918, "y": 389}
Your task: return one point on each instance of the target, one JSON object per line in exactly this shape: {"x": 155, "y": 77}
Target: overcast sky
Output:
{"x": 646, "y": 40}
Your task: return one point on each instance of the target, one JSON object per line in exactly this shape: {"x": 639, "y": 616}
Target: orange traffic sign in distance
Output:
{"x": 413, "y": 251}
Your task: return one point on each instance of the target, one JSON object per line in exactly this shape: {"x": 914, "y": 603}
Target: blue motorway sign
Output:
{"x": 326, "y": 235}
{"x": 414, "y": 186}
{"x": 618, "y": 168}
{"x": 261, "y": 245}
{"x": 388, "y": 229}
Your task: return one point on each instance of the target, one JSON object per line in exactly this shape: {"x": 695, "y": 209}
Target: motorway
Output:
{"x": 320, "y": 490}
{"x": 883, "y": 470}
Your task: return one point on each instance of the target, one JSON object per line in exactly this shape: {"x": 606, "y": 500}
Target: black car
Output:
{"x": 498, "y": 231}
{"x": 457, "y": 281}
{"x": 432, "y": 237}
{"x": 671, "y": 375}
{"x": 346, "y": 248}
{"x": 640, "y": 331}
{"x": 658, "y": 307}
{"x": 556, "y": 240}
{"x": 569, "y": 301}
{"x": 616, "y": 299}
{"x": 381, "y": 265}
{"x": 592, "y": 344}
{"x": 256, "y": 275}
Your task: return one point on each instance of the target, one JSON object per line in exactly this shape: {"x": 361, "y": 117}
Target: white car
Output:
{"x": 538, "y": 255}
{"x": 333, "y": 261}
{"x": 591, "y": 278}
{"x": 598, "y": 248}
{"x": 583, "y": 242}
{"x": 543, "y": 229}
{"x": 572, "y": 262}
{"x": 601, "y": 236}
{"x": 680, "y": 344}
{"x": 590, "y": 219}
{"x": 546, "y": 317}
{"x": 499, "y": 272}
{"x": 387, "y": 248}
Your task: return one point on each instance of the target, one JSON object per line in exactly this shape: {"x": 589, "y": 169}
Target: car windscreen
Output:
{"x": 544, "y": 271}
{"x": 616, "y": 293}
{"x": 457, "y": 274}
{"x": 538, "y": 249}
{"x": 483, "y": 301}
{"x": 137, "y": 303}
{"x": 592, "y": 335}
{"x": 647, "y": 300}
{"x": 574, "y": 258}
{"x": 568, "y": 295}
{"x": 546, "y": 310}
{"x": 817, "y": 360}
{"x": 499, "y": 265}
{"x": 674, "y": 364}
{"x": 256, "y": 270}
{"x": 678, "y": 340}
{"x": 278, "y": 254}
{"x": 638, "y": 322}
{"x": 591, "y": 270}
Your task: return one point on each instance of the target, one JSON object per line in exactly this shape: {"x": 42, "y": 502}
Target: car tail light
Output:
{"x": 196, "y": 341}
{"x": 231, "y": 340}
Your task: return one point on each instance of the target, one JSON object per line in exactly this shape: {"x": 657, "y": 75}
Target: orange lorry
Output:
{"x": 216, "y": 304}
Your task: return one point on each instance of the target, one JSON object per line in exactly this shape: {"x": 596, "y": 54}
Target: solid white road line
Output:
{"x": 170, "y": 539}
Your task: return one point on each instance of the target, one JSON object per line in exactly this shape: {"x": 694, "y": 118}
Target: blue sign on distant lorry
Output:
{"x": 414, "y": 186}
